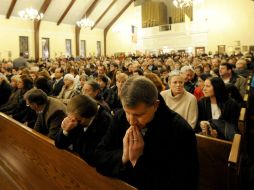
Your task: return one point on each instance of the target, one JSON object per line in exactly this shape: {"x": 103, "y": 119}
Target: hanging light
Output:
{"x": 85, "y": 22}
{"x": 185, "y": 3}
{"x": 30, "y": 14}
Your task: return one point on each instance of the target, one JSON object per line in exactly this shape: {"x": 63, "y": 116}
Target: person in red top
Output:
{"x": 198, "y": 91}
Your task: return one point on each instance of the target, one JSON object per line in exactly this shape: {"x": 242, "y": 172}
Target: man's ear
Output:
{"x": 97, "y": 92}
{"x": 156, "y": 104}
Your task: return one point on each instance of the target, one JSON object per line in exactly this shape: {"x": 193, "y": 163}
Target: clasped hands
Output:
{"x": 207, "y": 130}
{"x": 133, "y": 145}
{"x": 69, "y": 123}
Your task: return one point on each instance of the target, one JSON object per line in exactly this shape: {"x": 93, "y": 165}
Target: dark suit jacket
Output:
{"x": 12, "y": 101}
{"x": 5, "y": 92}
{"x": 169, "y": 159}
{"x": 57, "y": 87}
{"x": 84, "y": 143}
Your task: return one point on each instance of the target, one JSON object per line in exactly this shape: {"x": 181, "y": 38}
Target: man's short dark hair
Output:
{"x": 61, "y": 69}
{"x": 229, "y": 66}
{"x": 95, "y": 85}
{"x": 36, "y": 96}
{"x": 83, "y": 106}
{"x": 138, "y": 89}
{"x": 43, "y": 84}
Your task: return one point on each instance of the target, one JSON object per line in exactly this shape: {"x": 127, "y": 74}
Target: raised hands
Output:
{"x": 69, "y": 123}
{"x": 207, "y": 130}
{"x": 133, "y": 145}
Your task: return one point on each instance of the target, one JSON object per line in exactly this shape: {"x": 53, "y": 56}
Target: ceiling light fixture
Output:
{"x": 86, "y": 23}
{"x": 185, "y": 3}
{"x": 30, "y": 14}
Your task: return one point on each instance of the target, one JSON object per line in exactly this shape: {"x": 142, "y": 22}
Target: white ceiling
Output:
{"x": 57, "y": 7}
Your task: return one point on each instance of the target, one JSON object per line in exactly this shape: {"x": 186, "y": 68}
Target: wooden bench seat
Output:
{"x": 219, "y": 163}
{"x": 29, "y": 160}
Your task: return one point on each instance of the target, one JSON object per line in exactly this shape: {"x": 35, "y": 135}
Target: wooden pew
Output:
{"x": 219, "y": 163}
{"x": 246, "y": 98}
{"x": 247, "y": 89}
{"x": 29, "y": 160}
{"x": 242, "y": 122}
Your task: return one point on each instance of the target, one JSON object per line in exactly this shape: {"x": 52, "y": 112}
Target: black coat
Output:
{"x": 57, "y": 87}
{"x": 12, "y": 101}
{"x": 169, "y": 159}
{"x": 5, "y": 91}
{"x": 229, "y": 113}
{"x": 84, "y": 143}
{"x": 114, "y": 101}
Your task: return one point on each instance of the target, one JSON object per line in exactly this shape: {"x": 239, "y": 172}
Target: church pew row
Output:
{"x": 28, "y": 160}
{"x": 219, "y": 162}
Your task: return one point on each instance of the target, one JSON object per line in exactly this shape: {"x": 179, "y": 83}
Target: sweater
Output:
{"x": 184, "y": 104}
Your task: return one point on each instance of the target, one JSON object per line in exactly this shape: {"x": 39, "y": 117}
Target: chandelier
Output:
{"x": 186, "y": 3}
{"x": 85, "y": 22}
{"x": 182, "y": 3}
{"x": 31, "y": 14}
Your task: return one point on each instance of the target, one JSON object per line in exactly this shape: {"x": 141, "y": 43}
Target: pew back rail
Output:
{"x": 219, "y": 163}
{"x": 28, "y": 160}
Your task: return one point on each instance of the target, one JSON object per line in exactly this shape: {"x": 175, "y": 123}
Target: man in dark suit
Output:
{"x": 84, "y": 127}
{"x": 149, "y": 146}
{"x": 58, "y": 82}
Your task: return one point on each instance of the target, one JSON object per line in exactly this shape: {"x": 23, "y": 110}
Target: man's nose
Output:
{"x": 132, "y": 120}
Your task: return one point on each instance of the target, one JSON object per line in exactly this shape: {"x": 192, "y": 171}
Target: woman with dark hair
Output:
{"x": 216, "y": 105}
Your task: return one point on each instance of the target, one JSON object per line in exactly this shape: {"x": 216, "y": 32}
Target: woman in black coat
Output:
{"x": 217, "y": 104}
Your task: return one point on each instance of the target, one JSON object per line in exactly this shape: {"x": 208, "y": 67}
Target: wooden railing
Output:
{"x": 29, "y": 160}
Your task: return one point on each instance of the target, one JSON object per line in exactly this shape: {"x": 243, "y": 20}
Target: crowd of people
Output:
{"x": 133, "y": 118}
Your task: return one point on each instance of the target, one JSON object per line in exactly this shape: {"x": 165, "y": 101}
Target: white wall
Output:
{"x": 91, "y": 37}
{"x": 11, "y": 29}
{"x": 215, "y": 22}
{"x": 119, "y": 35}
{"x": 57, "y": 36}
{"x": 229, "y": 22}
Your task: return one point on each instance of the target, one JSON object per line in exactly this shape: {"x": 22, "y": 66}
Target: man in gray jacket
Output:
{"x": 50, "y": 112}
{"x": 20, "y": 62}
